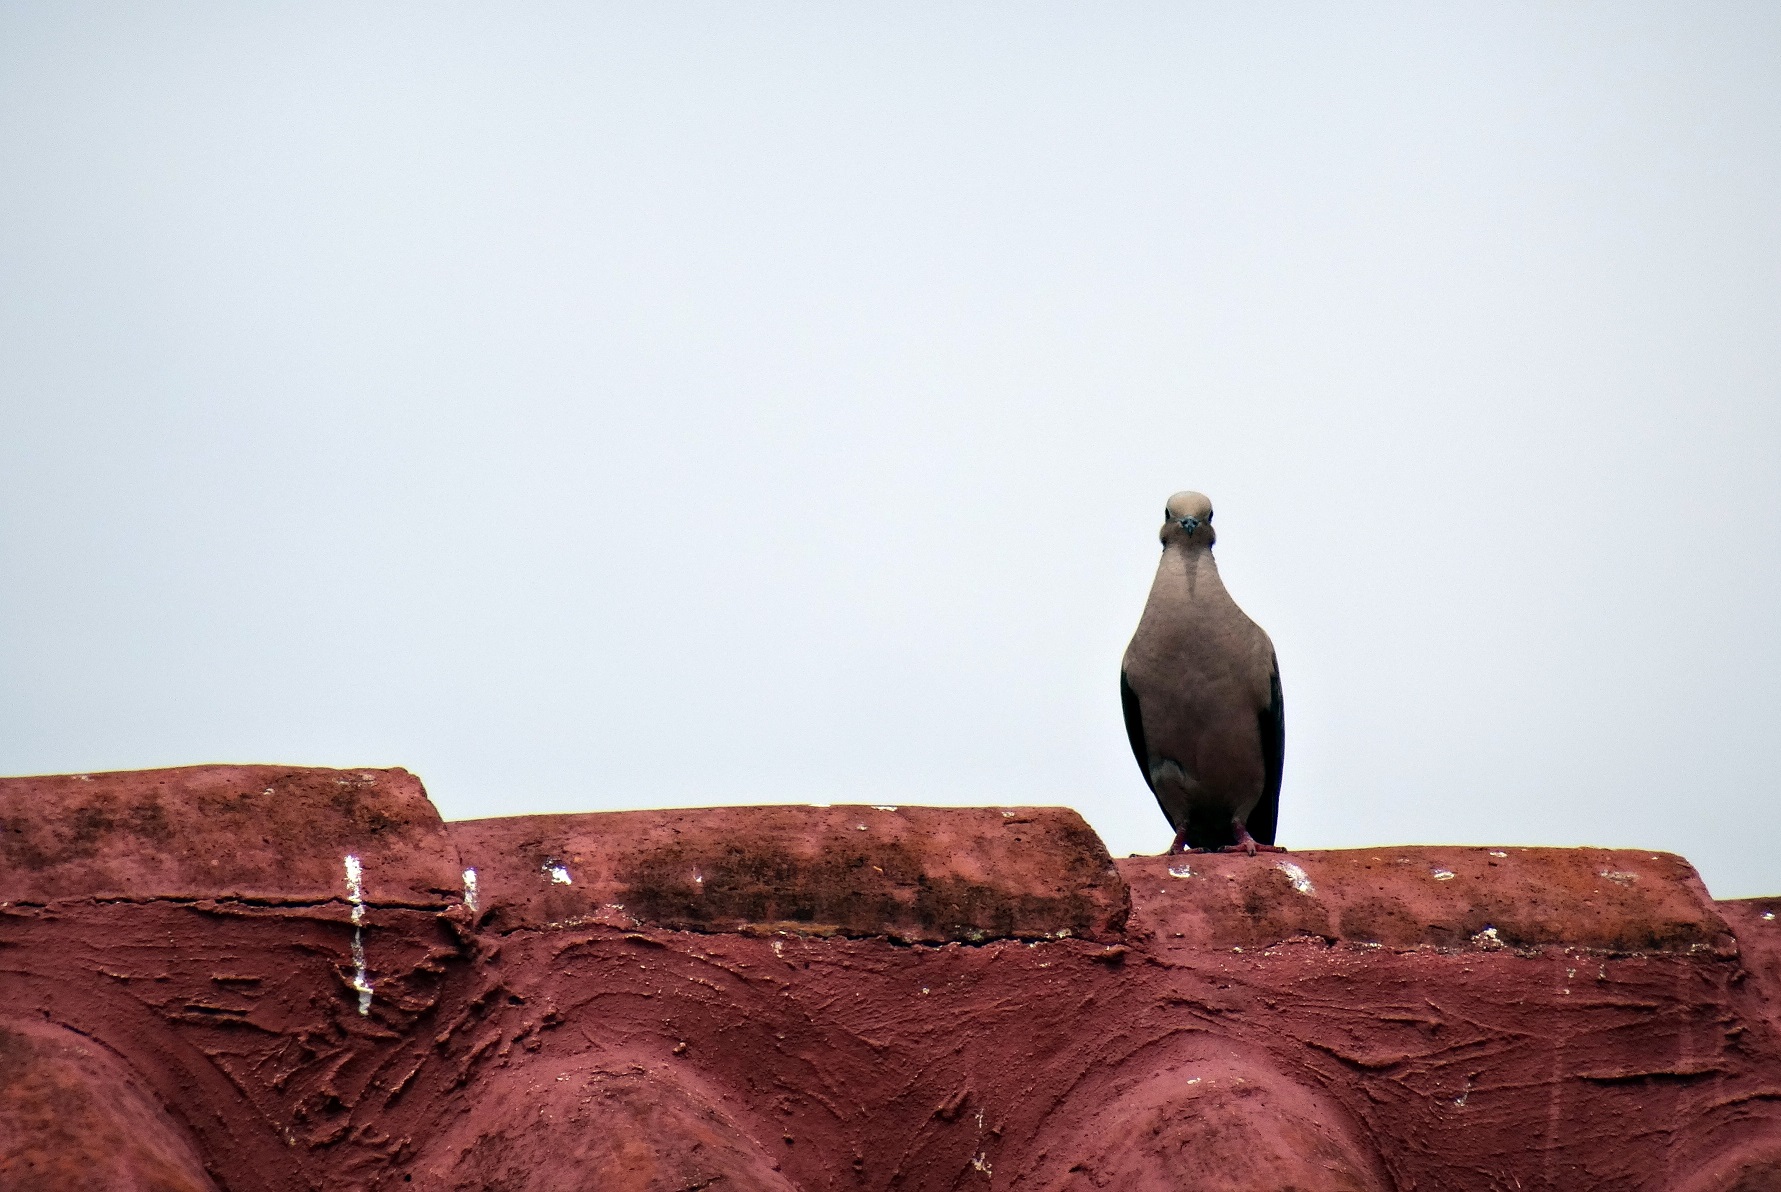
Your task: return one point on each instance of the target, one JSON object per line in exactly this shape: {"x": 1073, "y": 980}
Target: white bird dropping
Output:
{"x": 355, "y": 894}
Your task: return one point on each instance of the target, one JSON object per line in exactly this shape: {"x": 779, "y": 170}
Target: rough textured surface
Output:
{"x": 579, "y": 1122}
{"x": 915, "y": 874}
{"x": 1757, "y": 922}
{"x": 257, "y": 833}
{"x": 1489, "y": 1067}
{"x": 1205, "y": 1114}
{"x": 72, "y": 1116}
{"x": 1611, "y": 1036}
{"x": 243, "y": 1020}
{"x": 1614, "y": 900}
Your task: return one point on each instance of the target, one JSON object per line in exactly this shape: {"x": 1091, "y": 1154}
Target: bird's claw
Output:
{"x": 1247, "y": 843}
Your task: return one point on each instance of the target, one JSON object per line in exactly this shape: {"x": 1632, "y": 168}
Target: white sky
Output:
{"x": 600, "y": 407}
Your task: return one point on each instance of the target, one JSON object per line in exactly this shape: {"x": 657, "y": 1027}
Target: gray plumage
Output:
{"x": 1201, "y": 691}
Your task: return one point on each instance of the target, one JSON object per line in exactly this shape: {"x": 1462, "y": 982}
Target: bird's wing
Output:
{"x": 1134, "y": 728}
{"x": 1265, "y": 817}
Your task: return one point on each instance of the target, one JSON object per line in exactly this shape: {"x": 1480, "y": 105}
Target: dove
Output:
{"x": 1201, "y": 691}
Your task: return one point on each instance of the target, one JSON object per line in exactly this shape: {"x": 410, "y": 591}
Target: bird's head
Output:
{"x": 1187, "y": 519}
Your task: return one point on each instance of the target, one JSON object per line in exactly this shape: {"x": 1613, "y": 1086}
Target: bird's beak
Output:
{"x": 1189, "y": 524}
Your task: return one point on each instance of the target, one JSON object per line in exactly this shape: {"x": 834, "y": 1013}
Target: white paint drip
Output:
{"x": 1180, "y": 869}
{"x": 1497, "y": 852}
{"x": 559, "y": 874}
{"x": 470, "y": 890}
{"x": 355, "y": 894}
{"x": 1443, "y": 875}
{"x": 1768, "y": 916}
{"x": 981, "y": 1163}
{"x": 1488, "y": 938}
{"x": 876, "y": 808}
{"x": 1301, "y": 881}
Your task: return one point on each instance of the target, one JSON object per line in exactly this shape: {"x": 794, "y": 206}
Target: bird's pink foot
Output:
{"x": 1247, "y": 843}
{"x": 1180, "y": 843}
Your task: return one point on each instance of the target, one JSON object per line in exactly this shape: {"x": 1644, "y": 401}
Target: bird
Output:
{"x": 1200, "y": 687}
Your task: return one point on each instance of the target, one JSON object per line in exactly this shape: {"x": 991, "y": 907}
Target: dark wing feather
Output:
{"x": 1134, "y": 728}
{"x": 1265, "y": 817}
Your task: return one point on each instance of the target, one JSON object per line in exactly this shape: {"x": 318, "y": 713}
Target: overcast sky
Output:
{"x": 595, "y": 407}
